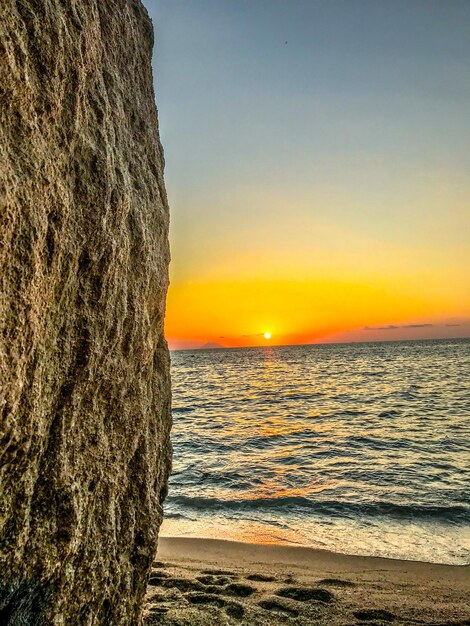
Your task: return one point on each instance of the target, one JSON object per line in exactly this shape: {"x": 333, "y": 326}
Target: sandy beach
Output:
{"x": 210, "y": 582}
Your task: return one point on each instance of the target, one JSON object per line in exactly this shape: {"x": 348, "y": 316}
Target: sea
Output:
{"x": 360, "y": 448}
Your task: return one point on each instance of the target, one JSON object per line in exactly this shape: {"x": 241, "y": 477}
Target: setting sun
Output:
{"x": 267, "y": 335}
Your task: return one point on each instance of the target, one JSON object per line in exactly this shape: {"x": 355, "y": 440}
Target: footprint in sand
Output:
{"x": 233, "y": 609}
{"x": 239, "y": 590}
{"x": 336, "y": 582}
{"x": 168, "y": 595}
{"x": 195, "y": 597}
{"x": 210, "y": 579}
{"x": 374, "y": 614}
{"x": 278, "y": 607}
{"x": 305, "y": 594}
{"x": 261, "y": 578}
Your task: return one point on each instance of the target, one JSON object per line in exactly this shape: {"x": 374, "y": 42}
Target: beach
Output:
{"x": 287, "y": 464}
{"x": 207, "y": 582}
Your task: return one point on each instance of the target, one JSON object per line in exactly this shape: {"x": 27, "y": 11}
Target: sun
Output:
{"x": 267, "y": 335}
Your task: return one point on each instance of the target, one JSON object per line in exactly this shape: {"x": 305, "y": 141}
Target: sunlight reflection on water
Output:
{"x": 358, "y": 448}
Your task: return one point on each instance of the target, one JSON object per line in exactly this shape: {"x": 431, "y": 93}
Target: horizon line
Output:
{"x": 319, "y": 343}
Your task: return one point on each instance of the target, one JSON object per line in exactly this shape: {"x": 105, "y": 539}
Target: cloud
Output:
{"x": 452, "y": 325}
{"x": 392, "y": 327}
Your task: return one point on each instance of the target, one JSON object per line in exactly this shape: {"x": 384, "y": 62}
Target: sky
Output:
{"x": 317, "y": 167}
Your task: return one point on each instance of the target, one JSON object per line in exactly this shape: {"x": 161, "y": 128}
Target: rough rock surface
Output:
{"x": 85, "y": 390}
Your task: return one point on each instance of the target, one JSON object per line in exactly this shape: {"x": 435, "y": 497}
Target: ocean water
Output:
{"x": 357, "y": 448}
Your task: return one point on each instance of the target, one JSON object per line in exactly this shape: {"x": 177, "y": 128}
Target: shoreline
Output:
{"x": 215, "y": 581}
{"x": 316, "y": 553}
{"x": 298, "y": 553}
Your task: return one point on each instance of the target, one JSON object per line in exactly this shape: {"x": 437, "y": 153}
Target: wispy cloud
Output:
{"x": 417, "y": 326}
{"x": 392, "y": 327}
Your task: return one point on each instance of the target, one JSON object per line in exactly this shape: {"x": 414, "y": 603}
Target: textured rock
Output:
{"x": 85, "y": 390}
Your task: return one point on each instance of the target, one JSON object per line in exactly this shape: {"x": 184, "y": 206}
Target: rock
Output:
{"x": 85, "y": 388}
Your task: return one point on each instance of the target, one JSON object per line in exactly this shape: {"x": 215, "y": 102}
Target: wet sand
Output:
{"x": 207, "y": 582}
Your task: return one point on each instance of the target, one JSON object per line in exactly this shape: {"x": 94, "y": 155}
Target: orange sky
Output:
{"x": 239, "y": 313}
{"x": 327, "y": 269}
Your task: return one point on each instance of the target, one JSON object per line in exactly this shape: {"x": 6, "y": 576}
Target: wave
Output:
{"x": 330, "y": 508}
{"x": 373, "y": 435}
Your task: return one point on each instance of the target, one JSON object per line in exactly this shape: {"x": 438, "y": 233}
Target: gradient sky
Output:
{"x": 317, "y": 167}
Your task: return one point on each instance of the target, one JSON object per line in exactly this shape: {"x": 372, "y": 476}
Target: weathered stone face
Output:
{"x": 85, "y": 389}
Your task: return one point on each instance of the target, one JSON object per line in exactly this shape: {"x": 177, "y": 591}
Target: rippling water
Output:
{"x": 357, "y": 448}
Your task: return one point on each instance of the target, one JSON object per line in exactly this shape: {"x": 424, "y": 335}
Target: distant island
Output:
{"x": 211, "y": 345}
